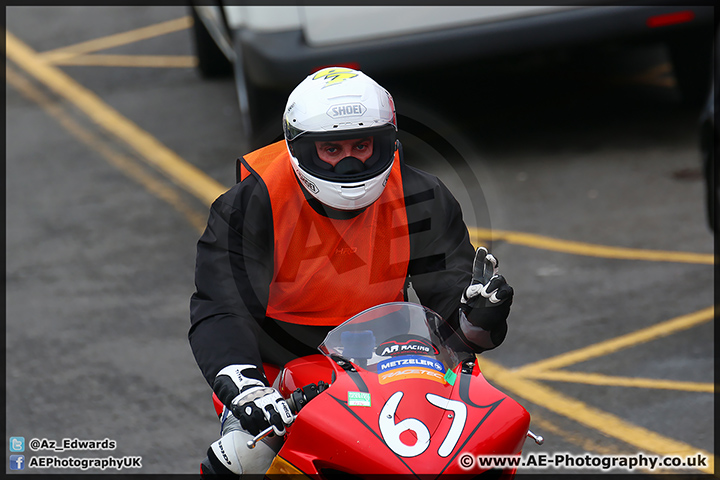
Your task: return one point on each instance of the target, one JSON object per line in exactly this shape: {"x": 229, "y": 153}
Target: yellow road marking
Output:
{"x": 122, "y": 162}
{"x": 539, "y": 424}
{"x": 616, "y": 381}
{"x": 543, "y": 426}
{"x": 156, "y": 61}
{"x": 157, "y": 154}
{"x": 642, "y": 438}
{"x": 117, "y": 39}
{"x": 606, "y": 347}
{"x": 477, "y": 235}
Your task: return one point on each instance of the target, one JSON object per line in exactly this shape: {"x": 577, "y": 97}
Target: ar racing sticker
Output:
{"x": 406, "y": 344}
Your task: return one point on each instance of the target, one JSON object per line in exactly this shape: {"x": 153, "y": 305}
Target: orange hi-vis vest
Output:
{"x": 327, "y": 270}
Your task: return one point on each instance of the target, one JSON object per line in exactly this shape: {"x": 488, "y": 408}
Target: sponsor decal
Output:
{"x": 333, "y": 76}
{"x": 222, "y": 450}
{"x": 409, "y": 361}
{"x": 415, "y": 372}
{"x": 358, "y": 399}
{"x": 308, "y": 184}
{"x": 347, "y": 110}
{"x": 450, "y": 377}
{"x": 406, "y": 344}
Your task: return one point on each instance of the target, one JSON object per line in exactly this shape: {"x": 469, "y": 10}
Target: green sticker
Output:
{"x": 358, "y": 399}
{"x": 450, "y": 377}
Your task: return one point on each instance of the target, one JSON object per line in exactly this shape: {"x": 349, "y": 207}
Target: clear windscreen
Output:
{"x": 387, "y": 336}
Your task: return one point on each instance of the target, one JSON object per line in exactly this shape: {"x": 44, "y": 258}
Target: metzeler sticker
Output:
{"x": 409, "y": 361}
{"x": 358, "y": 399}
{"x": 405, "y": 373}
{"x": 406, "y": 344}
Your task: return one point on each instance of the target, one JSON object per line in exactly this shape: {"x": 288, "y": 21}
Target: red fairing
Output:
{"x": 304, "y": 371}
{"x": 271, "y": 372}
{"x": 412, "y": 425}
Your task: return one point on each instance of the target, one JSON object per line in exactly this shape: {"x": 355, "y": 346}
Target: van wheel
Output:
{"x": 261, "y": 109}
{"x": 212, "y": 62}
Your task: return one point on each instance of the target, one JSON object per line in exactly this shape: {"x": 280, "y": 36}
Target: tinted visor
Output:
{"x": 303, "y": 148}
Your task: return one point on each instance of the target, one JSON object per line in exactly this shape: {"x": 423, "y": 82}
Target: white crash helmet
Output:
{"x": 339, "y": 103}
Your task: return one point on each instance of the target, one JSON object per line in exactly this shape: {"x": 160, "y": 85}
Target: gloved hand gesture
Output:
{"x": 486, "y": 301}
{"x": 245, "y": 391}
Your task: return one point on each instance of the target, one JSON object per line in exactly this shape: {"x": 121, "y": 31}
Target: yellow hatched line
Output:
{"x": 606, "y": 423}
{"x": 150, "y": 149}
{"x": 579, "y": 248}
{"x": 156, "y": 61}
{"x": 540, "y": 424}
{"x": 120, "y": 161}
{"x": 618, "y": 343}
{"x": 617, "y": 381}
{"x": 116, "y": 40}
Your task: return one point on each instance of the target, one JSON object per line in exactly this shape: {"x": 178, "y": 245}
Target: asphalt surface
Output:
{"x": 100, "y": 245}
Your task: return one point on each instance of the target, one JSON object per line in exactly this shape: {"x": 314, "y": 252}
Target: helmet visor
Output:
{"x": 383, "y": 153}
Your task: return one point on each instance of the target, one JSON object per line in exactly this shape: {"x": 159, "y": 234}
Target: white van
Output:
{"x": 272, "y": 48}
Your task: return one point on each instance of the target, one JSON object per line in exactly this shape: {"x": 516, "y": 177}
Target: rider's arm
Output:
{"x": 441, "y": 263}
{"x": 232, "y": 276}
{"x": 441, "y": 254}
{"x": 485, "y": 303}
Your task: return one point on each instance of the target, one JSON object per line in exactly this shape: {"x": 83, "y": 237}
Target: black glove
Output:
{"x": 245, "y": 391}
{"x": 486, "y": 301}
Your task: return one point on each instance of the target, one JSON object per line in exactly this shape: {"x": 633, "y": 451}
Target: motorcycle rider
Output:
{"x": 320, "y": 227}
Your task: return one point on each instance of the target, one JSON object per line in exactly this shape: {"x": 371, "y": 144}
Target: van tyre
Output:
{"x": 212, "y": 62}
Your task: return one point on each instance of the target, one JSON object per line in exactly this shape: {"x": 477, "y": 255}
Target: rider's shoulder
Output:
{"x": 240, "y": 196}
{"x": 416, "y": 180}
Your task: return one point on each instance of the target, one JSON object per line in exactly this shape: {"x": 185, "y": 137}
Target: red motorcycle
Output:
{"x": 395, "y": 391}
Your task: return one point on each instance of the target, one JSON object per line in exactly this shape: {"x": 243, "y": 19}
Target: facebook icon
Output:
{"x": 17, "y": 462}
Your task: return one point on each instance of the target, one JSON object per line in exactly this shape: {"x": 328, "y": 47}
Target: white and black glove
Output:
{"x": 485, "y": 303}
{"x": 246, "y": 392}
